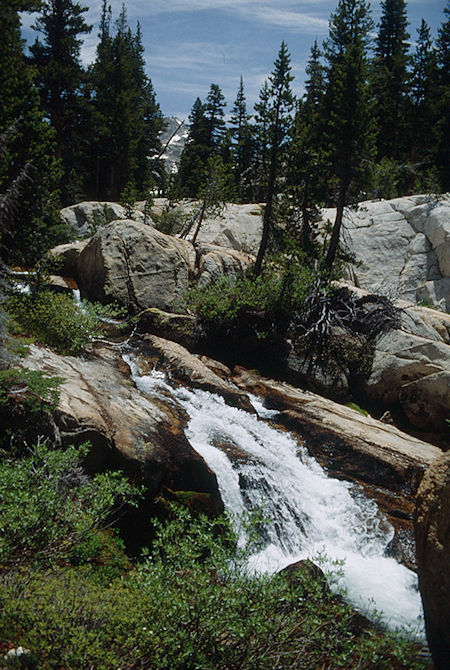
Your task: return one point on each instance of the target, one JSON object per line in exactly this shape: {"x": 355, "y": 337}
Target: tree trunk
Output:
{"x": 335, "y": 235}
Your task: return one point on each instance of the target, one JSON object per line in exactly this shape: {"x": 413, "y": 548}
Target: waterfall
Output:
{"x": 310, "y": 515}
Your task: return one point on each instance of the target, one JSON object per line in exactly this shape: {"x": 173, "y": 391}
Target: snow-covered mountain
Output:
{"x": 174, "y": 136}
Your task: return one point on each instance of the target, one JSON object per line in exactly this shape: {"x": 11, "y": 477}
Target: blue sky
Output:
{"x": 191, "y": 43}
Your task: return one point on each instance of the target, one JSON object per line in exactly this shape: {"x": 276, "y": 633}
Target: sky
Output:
{"x": 190, "y": 44}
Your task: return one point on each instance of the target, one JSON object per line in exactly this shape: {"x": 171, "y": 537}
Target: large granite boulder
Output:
{"x": 215, "y": 262}
{"x": 432, "y": 531}
{"x": 238, "y": 227}
{"x": 411, "y": 367}
{"x": 86, "y": 217}
{"x": 402, "y": 247}
{"x": 127, "y": 429}
{"x": 137, "y": 266}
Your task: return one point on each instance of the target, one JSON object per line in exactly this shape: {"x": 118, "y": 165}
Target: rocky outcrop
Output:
{"x": 126, "y": 429}
{"x": 347, "y": 442}
{"x": 181, "y": 328}
{"x": 238, "y": 227}
{"x": 411, "y": 367}
{"x": 187, "y": 368}
{"x": 215, "y": 262}
{"x": 432, "y": 530}
{"x": 67, "y": 257}
{"x": 85, "y": 218}
{"x": 402, "y": 247}
{"x": 137, "y": 266}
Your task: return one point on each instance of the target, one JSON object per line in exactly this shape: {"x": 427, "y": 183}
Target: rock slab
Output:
{"x": 432, "y": 531}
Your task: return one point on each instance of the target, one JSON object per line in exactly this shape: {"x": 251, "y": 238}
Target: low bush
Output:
{"x": 56, "y": 320}
{"x": 190, "y": 604}
{"x": 48, "y": 505}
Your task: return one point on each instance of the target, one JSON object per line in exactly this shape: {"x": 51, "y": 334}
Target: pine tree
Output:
{"x": 307, "y": 170}
{"x": 442, "y": 130}
{"x": 195, "y": 153}
{"x": 241, "y": 137}
{"x": 422, "y": 95}
{"x": 390, "y": 80}
{"x": 126, "y": 120}
{"x": 280, "y": 108}
{"x": 349, "y": 130}
{"x": 214, "y": 117}
{"x": 261, "y": 141}
{"x": 35, "y": 227}
{"x": 59, "y": 79}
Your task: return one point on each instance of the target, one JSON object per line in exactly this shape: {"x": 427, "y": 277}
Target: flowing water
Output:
{"x": 310, "y": 514}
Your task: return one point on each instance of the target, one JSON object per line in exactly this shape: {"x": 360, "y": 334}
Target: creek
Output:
{"x": 309, "y": 514}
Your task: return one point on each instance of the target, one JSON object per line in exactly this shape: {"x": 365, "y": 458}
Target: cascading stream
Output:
{"x": 310, "y": 514}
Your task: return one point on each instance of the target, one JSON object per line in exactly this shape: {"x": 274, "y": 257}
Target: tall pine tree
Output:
{"x": 442, "y": 129}
{"x": 241, "y": 135}
{"x": 127, "y": 120}
{"x": 280, "y": 107}
{"x": 36, "y": 226}
{"x": 349, "y": 130}
{"x": 59, "y": 79}
{"x": 390, "y": 80}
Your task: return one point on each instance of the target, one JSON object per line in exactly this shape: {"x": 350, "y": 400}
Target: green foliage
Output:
{"x": 48, "y": 505}
{"x": 35, "y": 226}
{"x": 230, "y": 302}
{"x": 190, "y": 604}
{"x": 357, "y": 408}
{"x": 33, "y": 386}
{"x": 56, "y": 320}
{"x": 127, "y": 199}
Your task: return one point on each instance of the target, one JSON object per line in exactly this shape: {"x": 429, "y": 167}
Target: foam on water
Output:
{"x": 310, "y": 514}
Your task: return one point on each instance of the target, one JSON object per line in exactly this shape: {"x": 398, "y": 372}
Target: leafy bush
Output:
{"x": 190, "y": 604}
{"x": 48, "y": 504}
{"x": 56, "y": 320}
{"x": 230, "y": 302}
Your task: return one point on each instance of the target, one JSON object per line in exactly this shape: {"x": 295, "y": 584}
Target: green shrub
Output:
{"x": 48, "y": 504}
{"x": 230, "y": 302}
{"x": 56, "y": 320}
{"x": 191, "y": 604}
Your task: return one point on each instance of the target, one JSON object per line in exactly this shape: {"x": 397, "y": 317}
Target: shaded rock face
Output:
{"x": 432, "y": 531}
{"x": 85, "y": 217}
{"x": 137, "y": 266}
{"x": 127, "y": 430}
{"x": 67, "y": 257}
{"x": 403, "y": 246}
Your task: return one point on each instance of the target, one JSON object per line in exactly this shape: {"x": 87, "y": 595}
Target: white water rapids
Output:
{"x": 310, "y": 514}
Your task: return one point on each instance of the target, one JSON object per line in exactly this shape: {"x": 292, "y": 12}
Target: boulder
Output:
{"x": 215, "y": 262}
{"x": 238, "y": 227}
{"x": 137, "y": 266}
{"x": 402, "y": 247}
{"x": 127, "y": 429}
{"x": 85, "y": 218}
{"x": 181, "y": 328}
{"x": 348, "y": 443}
{"x": 187, "y": 368}
{"x": 67, "y": 258}
{"x": 413, "y": 371}
{"x": 432, "y": 532}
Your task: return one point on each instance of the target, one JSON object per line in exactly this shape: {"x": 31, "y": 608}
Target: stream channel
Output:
{"x": 310, "y": 515}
